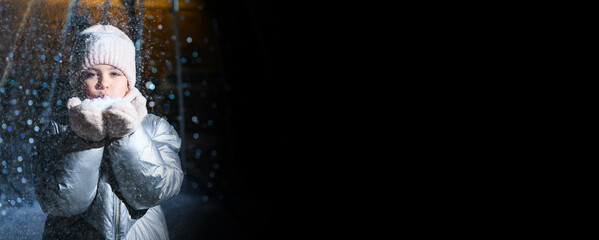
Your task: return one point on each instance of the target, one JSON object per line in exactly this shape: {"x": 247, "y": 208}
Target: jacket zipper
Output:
{"x": 116, "y": 210}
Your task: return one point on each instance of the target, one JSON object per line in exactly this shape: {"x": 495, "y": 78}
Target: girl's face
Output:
{"x": 104, "y": 80}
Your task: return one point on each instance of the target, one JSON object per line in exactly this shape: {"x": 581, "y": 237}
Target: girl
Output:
{"x": 105, "y": 174}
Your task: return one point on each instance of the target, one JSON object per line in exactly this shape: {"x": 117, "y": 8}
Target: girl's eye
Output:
{"x": 115, "y": 74}
{"x": 88, "y": 75}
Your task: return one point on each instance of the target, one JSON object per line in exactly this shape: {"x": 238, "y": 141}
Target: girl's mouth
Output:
{"x": 102, "y": 96}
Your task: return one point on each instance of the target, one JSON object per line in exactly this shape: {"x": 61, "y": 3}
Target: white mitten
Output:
{"x": 138, "y": 101}
{"x": 124, "y": 117}
{"x": 86, "y": 119}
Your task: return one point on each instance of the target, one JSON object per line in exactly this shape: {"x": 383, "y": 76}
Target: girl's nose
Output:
{"x": 103, "y": 82}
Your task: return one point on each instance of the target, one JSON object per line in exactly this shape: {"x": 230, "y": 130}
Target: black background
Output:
{"x": 265, "y": 64}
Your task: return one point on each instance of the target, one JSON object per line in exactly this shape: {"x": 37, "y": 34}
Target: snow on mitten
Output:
{"x": 86, "y": 119}
{"x": 124, "y": 117}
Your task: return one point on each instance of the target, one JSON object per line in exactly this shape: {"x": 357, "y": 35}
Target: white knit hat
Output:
{"x": 103, "y": 44}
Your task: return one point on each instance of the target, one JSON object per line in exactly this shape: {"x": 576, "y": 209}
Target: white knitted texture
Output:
{"x": 103, "y": 44}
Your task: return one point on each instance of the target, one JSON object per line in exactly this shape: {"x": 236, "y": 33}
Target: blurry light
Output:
{"x": 196, "y": 136}
{"x": 36, "y": 128}
{"x": 186, "y": 93}
{"x": 20, "y": 158}
{"x": 183, "y": 60}
{"x": 194, "y": 119}
{"x": 189, "y": 40}
{"x": 159, "y": 27}
{"x": 31, "y": 140}
{"x": 210, "y": 122}
{"x": 151, "y": 104}
{"x": 43, "y": 57}
{"x": 29, "y": 121}
{"x": 150, "y": 85}
{"x": 23, "y": 180}
{"x": 194, "y": 54}
{"x": 29, "y": 102}
{"x": 171, "y": 96}
{"x": 59, "y": 102}
{"x": 19, "y": 169}
{"x": 154, "y": 70}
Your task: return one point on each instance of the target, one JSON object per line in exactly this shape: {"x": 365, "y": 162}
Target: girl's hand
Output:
{"x": 124, "y": 117}
{"x": 86, "y": 120}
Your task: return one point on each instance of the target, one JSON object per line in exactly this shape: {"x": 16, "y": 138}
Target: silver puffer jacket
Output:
{"x": 110, "y": 189}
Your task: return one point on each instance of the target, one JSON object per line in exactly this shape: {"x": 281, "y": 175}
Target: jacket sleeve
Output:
{"x": 146, "y": 163}
{"x": 66, "y": 172}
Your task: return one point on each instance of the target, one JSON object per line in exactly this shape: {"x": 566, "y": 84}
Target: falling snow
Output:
{"x": 35, "y": 45}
